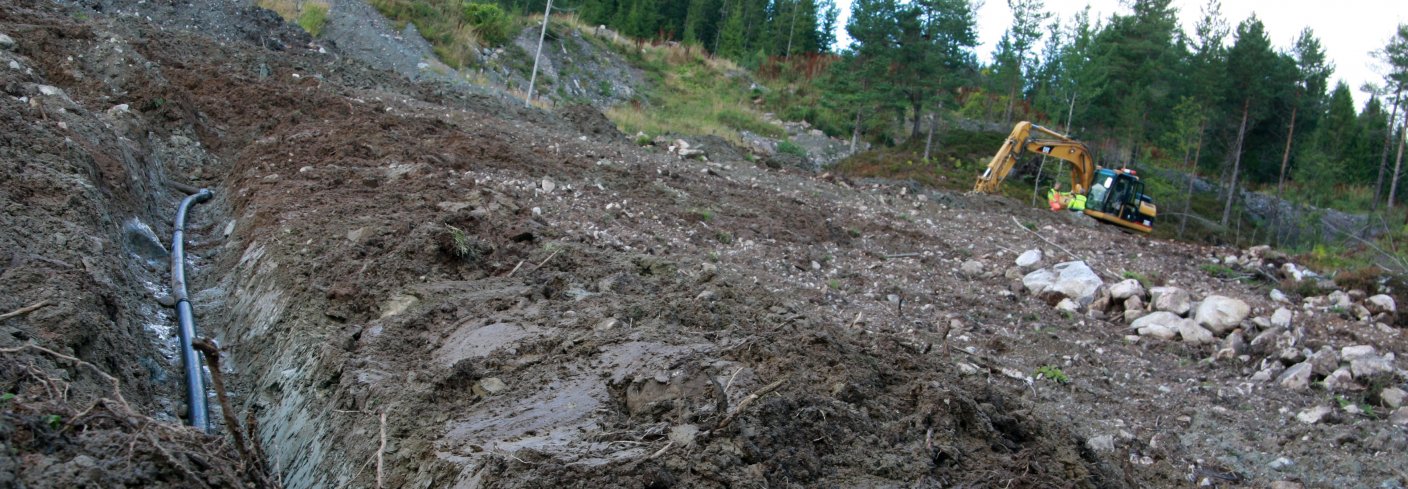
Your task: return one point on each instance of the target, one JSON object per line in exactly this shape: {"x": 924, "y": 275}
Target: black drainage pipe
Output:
{"x": 195, "y": 388}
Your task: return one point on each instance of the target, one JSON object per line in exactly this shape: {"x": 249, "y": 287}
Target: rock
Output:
{"x": 1352, "y": 353}
{"x": 1282, "y": 318}
{"x": 1296, "y": 378}
{"x": 1102, "y": 443}
{"x": 1029, "y": 259}
{"x": 1038, "y": 281}
{"x": 1281, "y": 463}
{"x": 1325, "y": 361}
{"x": 1077, "y": 281}
{"x": 1286, "y": 485}
{"x": 1265, "y": 341}
{"x": 1194, "y": 334}
{"x": 491, "y": 385}
{"x": 972, "y": 268}
{"x": 7, "y": 42}
{"x": 606, "y": 324}
{"x": 1278, "y": 296}
{"x": 1365, "y": 368}
{"x": 1339, "y": 298}
{"x": 1360, "y": 312}
{"x": 548, "y": 185}
{"x": 1160, "y": 318}
{"x": 1314, "y": 415}
{"x": 1393, "y": 397}
{"x": 1232, "y": 347}
{"x": 1399, "y": 417}
{"x": 1221, "y": 314}
{"x": 1158, "y": 331}
{"x": 1291, "y": 355}
{"x": 1340, "y": 381}
{"x": 397, "y": 305}
{"x": 1381, "y": 304}
{"x": 1270, "y": 372}
{"x": 356, "y": 235}
{"x": 684, "y": 435}
{"x": 1068, "y": 305}
{"x": 1171, "y": 299}
{"x": 1126, "y": 289}
{"x": 1133, "y": 309}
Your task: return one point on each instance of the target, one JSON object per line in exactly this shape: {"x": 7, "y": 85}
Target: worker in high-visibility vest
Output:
{"x": 1056, "y": 198}
{"x": 1077, "y": 203}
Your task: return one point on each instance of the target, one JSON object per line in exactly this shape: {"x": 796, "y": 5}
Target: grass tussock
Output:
{"x": 312, "y": 15}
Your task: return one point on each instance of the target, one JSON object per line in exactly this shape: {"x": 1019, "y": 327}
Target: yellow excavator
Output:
{"x": 1112, "y": 196}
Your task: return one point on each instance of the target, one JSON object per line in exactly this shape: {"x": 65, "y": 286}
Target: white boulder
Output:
{"x": 1221, "y": 314}
{"x": 1171, "y": 299}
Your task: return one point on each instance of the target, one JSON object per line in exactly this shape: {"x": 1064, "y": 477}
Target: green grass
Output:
{"x": 690, "y": 95}
{"x": 1053, "y": 374}
{"x": 454, "y": 29}
{"x": 313, "y": 18}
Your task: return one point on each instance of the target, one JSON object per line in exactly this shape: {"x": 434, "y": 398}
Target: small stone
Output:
{"x": 1102, "y": 443}
{"x": 1068, "y": 305}
{"x": 229, "y": 228}
{"x": 1280, "y": 463}
{"x": 683, "y": 435}
{"x": 1286, "y": 485}
{"x": 606, "y": 324}
{"x": 1161, "y": 318}
{"x": 1029, "y": 259}
{"x": 1133, "y": 309}
{"x": 7, "y": 42}
{"x": 1325, "y": 361}
{"x": 1399, "y": 417}
{"x": 1340, "y": 381}
{"x": 1232, "y": 347}
{"x": 706, "y": 296}
{"x": 356, "y": 235}
{"x": 397, "y": 305}
{"x": 1220, "y": 314}
{"x": 1341, "y": 299}
{"x": 1282, "y": 318}
{"x": 1296, "y": 378}
{"x": 1393, "y": 397}
{"x": 1126, "y": 289}
{"x": 491, "y": 385}
{"x": 1314, "y": 415}
{"x": 972, "y": 268}
{"x": 1265, "y": 341}
{"x": 1381, "y": 304}
{"x": 548, "y": 185}
{"x": 1278, "y": 296}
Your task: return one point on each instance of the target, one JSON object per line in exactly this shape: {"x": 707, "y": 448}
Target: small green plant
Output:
{"x": 724, "y": 237}
{"x": 643, "y": 139}
{"x": 1031, "y": 226}
{"x": 704, "y": 215}
{"x": 459, "y": 242}
{"x": 489, "y": 21}
{"x": 714, "y": 256}
{"x": 313, "y": 17}
{"x": 1052, "y": 373}
{"x": 53, "y": 420}
{"x": 1143, "y": 280}
{"x": 1222, "y": 271}
{"x": 855, "y": 233}
{"x": 833, "y": 284}
{"x": 791, "y": 148}
{"x": 6, "y": 398}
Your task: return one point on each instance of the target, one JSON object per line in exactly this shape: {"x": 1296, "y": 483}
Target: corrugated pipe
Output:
{"x": 195, "y": 388}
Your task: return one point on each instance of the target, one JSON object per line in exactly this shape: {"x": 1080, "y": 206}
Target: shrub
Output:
{"x": 489, "y": 21}
{"x": 313, "y": 17}
{"x": 791, "y": 148}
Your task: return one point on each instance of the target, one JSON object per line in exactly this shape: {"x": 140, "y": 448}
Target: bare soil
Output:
{"x": 532, "y": 301}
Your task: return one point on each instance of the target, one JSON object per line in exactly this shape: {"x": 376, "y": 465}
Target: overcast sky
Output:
{"x": 1348, "y": 29}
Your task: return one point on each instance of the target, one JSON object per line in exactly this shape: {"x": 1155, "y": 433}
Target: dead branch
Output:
{"x": 212, "y": 356}
{"x": 742, "y": 405}
{"x": 515, "y": 268}
{"x": 116, "y": 385}
{"x": 549, "y": 258}
{"x": 24, "y": 310}
{"x": 1039, "y": 236}
{"x": 903, "y": 255}
{"x": 380, "y": 451}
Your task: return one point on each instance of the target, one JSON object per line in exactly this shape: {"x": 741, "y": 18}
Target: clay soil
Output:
{"x": 529, "y": 300}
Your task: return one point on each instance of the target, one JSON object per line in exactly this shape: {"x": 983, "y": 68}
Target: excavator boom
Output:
{"x": 1051, "y": 143}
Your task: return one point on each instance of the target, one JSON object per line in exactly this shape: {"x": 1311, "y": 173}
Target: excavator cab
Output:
{"x": 1117, "y": 197}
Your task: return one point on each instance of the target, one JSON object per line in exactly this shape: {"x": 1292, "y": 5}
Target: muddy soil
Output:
{"x": 431, "y": 288}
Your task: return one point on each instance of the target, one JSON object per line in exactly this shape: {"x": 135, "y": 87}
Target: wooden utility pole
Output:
{"x": 533, "y": 79}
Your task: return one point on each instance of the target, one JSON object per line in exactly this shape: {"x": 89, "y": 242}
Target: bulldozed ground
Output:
{"x": 417, "y": 286}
